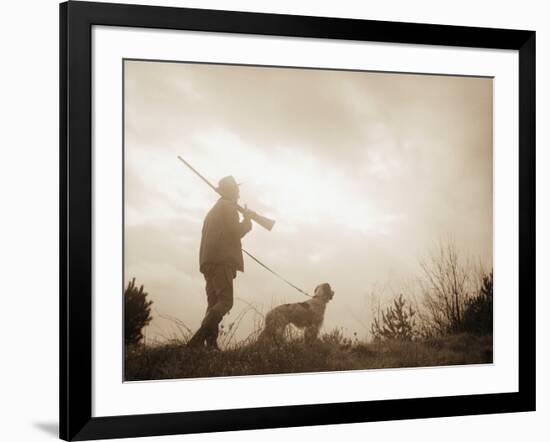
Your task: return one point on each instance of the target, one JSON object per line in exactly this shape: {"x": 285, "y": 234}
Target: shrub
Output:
{"x": 335, "y": 337}
{"x": 478, "y": 312}
{"x": 398, "y": 322}
{"x": 137, "y": 312}
{"x": 446, "y": 284}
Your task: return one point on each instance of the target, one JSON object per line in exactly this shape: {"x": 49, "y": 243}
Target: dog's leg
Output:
{"x": 270, "y": 326}
{"x": 265, "y": 336}
{"x": 311, "y": 333}
{"x": 279, "y": 335}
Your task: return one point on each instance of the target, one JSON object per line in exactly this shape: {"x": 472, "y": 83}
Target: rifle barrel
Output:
{"x": 199, "y": 175}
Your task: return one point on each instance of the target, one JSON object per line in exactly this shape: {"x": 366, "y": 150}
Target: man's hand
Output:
{"x": 247, "y": 223}
{"x": 248, "y": 214}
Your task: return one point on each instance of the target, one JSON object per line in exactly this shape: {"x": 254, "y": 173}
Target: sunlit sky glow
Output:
{"x": 363, "y": 173}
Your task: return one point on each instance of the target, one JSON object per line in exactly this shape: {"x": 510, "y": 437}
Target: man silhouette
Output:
{"x": 220, "y": 258}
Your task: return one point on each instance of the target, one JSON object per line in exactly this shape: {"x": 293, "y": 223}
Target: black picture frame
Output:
{"x": 76, "y": 21}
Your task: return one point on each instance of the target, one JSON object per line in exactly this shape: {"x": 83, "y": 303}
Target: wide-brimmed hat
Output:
{"x": 227, "y": 184}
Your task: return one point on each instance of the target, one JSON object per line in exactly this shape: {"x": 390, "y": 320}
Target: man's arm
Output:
{"x": 246, "y": 226}
{"x": 231, "y": 220}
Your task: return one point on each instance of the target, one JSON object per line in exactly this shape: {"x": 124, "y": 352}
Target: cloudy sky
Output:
{"x": 363, "y": 172}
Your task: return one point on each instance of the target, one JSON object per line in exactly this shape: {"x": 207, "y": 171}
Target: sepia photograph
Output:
{"x": 286, "y": 220}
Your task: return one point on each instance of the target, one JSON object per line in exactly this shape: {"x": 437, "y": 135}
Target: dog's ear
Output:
{"x": 325, "y": 291}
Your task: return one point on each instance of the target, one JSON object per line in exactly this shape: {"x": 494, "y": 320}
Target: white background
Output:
{"x": 29, "y": 239}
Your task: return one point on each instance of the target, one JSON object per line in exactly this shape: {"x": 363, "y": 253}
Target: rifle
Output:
{"x": 266, "y": 223}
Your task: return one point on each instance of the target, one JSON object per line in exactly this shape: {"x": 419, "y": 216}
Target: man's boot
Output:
{"x": 197, "y": 341}
{"x": 212, "y": 338}
{"x": 205, "y": 332}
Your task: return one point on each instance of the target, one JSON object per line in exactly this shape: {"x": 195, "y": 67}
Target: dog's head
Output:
{"x": 324, "y": 292}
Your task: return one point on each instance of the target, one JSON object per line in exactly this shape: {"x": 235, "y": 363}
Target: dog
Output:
{"x": 307, "y": 315}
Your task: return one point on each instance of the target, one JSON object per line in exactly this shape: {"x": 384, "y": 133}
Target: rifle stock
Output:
{"x": 263, "y": 221}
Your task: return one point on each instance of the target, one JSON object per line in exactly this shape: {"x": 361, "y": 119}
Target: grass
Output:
{"x": 331, "y": 353}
